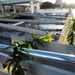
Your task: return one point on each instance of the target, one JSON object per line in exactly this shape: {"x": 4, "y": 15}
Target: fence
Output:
{"x": 45, "y": 62}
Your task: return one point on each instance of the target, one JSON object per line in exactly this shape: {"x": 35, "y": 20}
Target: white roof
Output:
{"x": 15, "y": 1}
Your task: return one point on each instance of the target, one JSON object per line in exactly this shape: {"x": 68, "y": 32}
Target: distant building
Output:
{"x": 58, "y": 1}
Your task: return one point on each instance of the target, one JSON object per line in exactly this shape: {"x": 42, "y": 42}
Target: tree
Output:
{"x": 46, "y": 5}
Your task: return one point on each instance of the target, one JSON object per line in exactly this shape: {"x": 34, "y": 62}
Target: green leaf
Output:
{"x": 33, "y": 36}
{"x": 30, "y": 47}
{"x": 23, "y": 41}
{"x": 20, "y": 70}
{"x": 8, "y": 60}
{"x": 17, "y": 72}
{"x": 35, "y": 46}
{"x": 47, "y": 37}
{"x": 38, "y": 41}
{"x": 25, "y": 57}
{"x": 14, "y": 70}
{"x": 9, "y": 66}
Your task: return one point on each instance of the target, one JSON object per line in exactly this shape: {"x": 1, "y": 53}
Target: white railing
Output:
{"x": 12, "y": 1}
{"x": 44, "y": 54}
{"x": 72, "y": 11}
{"x": 45, "y": 62}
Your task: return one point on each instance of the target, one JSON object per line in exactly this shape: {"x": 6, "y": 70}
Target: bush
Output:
{"x": 20, "y": 54}
{"x": 4, "y": 16}
{"x": 20, "y": 9}
{"x": 46, "y": 5}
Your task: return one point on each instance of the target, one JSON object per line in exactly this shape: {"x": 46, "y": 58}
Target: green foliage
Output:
{"x": 47, "y": 5}
{"x": 20, "y": 54}
{"x": 5, "y": 16}
{"x": 21, "y": 9}
{"x": 17, "y": 58}
{"x": 47, "y": 37}
{"x": 71, "y": 34}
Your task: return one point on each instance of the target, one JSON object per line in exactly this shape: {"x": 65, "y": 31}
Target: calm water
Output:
{"x": 50, "y": 26}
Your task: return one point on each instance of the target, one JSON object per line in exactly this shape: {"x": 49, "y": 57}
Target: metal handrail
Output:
{"x": 43, "y": 54}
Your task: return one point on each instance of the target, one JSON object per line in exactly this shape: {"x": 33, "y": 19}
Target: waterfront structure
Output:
{"x": 13, "y": 2}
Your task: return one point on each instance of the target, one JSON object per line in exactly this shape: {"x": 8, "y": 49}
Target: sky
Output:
{"x": 67, "y": 1}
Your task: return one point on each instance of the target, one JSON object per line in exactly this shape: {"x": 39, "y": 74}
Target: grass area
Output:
{"x": 65, "y": 31}
{"x": 4, "y": 16}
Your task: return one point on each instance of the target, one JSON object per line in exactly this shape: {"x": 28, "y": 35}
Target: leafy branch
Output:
{"x": 18, "y": 56}
{"x": 71, "y": 34}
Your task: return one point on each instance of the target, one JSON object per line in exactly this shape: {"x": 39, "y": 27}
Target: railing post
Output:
{"x": 2, "y": 8}
{"x": 32, "y": 6}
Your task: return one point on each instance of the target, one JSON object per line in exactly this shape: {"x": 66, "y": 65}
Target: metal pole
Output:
{"x": 44, "y": 54}
{"x": 2, "y": 9}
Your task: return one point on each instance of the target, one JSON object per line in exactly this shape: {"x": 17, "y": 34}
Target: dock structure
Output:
{"x": 40, "y": 15}
{"x": 22, "y": 29}
{"x": 13, "y": 2}
{"x": 54, "y": 23}
{"x": 47, "y": 59}
{"x": 34, "y": 21}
